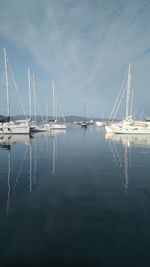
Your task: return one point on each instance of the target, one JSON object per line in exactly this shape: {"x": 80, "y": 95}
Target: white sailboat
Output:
{"x": 84, "y": 122}
{"x": 12, "y": 127}
{"x": 129, "y": 125}
{"x": 98, "y": 123}
{"x": 55, "y": 125}
{"x": 34, "y": 126}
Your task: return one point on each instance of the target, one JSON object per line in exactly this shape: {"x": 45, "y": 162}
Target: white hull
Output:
{"x": 43, "y": 127}
{"x": 98, "y": 123}
{"x": 12, "y": 128}
{"x": 84, "y": 124}
{"x": 57, "y": 126}
{"x": 128, "y": 127}
{"x": 38, "y": 128}
{"x": 132, "y": 130}
{"x": 109, "y": 129}
{"x": 47, "y": 126}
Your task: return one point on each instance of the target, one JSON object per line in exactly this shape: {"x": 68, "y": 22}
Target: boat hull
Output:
{"x": 132, "y": 131}
{"x": 58, "y": 126}
{"x": 14, "y": 129}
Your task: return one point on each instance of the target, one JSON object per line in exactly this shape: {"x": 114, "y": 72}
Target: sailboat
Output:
{"x": 84, "y": 122}
{"x": 12, "y": 127}
{"x": 55, "y": 125}
{"x": 129, "y": 125}
{"x": 34, "y": 126}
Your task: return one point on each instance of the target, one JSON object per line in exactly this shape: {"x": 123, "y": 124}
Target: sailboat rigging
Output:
{"x": 12, "y": 127}
{"x": 129, "y": 125}
{"x": 56, "y": 125}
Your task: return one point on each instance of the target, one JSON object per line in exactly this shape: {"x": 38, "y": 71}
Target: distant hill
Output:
{"x": 38, "y": 118}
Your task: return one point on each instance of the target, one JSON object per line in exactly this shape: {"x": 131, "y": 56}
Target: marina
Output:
{"x": 75, "y": 133}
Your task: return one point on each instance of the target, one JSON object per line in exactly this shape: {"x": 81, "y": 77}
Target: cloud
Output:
{"x": 85, "y": 45}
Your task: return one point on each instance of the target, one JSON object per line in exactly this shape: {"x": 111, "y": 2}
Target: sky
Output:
{"x": 84, "y": 46}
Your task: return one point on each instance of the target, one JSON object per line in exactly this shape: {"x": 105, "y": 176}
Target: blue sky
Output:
{"x": 85, "y": 46}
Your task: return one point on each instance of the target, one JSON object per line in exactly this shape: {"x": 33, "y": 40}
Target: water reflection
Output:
{"x": 130, "y": 139}
{"x": 7, "y": 140}
{"x": 65, "y": 198}
{"x": 56, "y": 136}
{"x": 6, "y": 143}
{"x": 122, "y": 157}
{"x": 21, "y": 155}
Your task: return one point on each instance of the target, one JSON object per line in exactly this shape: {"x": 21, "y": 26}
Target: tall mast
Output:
{"x": 84, "y": 110}
{"x": 33, "y": 80}
{"x": 131, "y": 103}
{"x": 6, "y": 82}
{"x": 54, "y": 114}
{"x": 46, "y": 113}
{"x": 29, "y": 83}
{"x": 128, "y": 99}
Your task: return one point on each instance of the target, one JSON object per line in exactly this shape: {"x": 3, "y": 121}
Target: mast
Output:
{"x": 131, "y": 103}
{"x": 6, "y": 82}
{"x": 54, "y": 111}
{"x": 46, "y": 114}
{"x": 85, "y": 110}
{"x": 29, "y": 83}
{"x": 128, "y": 98}
{"x": 33, "y": 81}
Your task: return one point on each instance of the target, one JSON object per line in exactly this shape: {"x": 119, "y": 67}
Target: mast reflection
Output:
{"x": 122, "y": 158}
{"x": 7, "y": 143}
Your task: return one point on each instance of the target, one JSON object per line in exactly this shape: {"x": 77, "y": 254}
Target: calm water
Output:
{"x": 75, "y": 198}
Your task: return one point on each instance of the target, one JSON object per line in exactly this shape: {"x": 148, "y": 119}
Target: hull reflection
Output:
{"x": 12, "y": 139}
{"x": 130, "y": 140}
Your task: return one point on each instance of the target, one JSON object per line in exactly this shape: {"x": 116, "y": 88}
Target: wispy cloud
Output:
{"x": 86, "y": 45}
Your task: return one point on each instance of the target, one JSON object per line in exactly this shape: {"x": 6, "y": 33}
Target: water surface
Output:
{"x": 75, "y": 198}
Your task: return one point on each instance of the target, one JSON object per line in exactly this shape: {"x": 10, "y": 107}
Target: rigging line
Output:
{"x": 39, "y": 108}
{"x": 116, "y": 102}
{"x": 6, "y": 82}
{"x": 60, "y": 107}
{"x": 36, "y": 99}
{"x": 119, "y": 103}
{"x": 16, "y": 89}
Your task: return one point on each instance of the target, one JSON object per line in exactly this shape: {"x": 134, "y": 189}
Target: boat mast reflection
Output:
{"x": 6, "y": 143}
{"x": 8, "y": 182}
{"x": 127, "y": 141}
{"x": 123, "y": 161}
